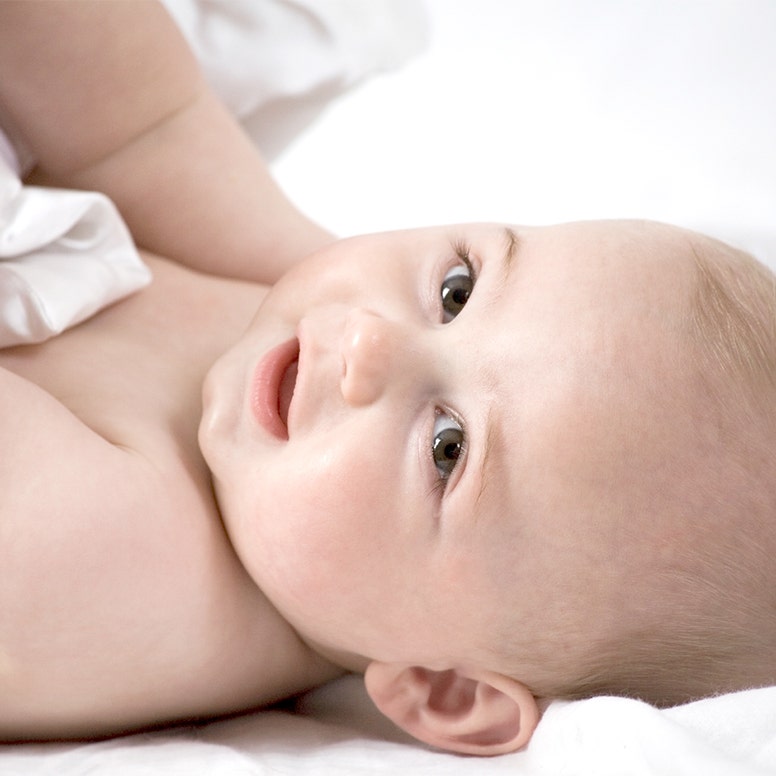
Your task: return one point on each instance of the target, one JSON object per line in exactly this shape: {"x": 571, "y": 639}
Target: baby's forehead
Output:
{"x": 618, "y": 470}
{"x": 617, "y": 261}
{"x": 610, "y": 372}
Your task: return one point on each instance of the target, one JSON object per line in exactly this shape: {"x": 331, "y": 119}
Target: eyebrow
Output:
{"x": 511, "y": 245}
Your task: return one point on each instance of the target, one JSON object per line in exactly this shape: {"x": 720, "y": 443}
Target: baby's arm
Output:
{"x": 108, "y": 97}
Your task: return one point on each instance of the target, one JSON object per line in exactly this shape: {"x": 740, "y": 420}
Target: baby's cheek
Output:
{"x": 326, "y": 515}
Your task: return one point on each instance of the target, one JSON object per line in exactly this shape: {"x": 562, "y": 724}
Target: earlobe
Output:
{"x": 471, "y": 712}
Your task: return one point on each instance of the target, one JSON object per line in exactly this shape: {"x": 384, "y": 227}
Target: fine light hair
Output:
{"x": 733, "y": 322}
{"x": 709, "y": 625}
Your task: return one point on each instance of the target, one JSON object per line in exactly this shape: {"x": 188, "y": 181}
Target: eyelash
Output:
{"x": 461, "y": 250}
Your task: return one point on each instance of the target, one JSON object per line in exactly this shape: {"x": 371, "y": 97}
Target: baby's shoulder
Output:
{"x": 67, "y": 490}
{"x": 102, "y": 424}
{"x": 49, "y": 445}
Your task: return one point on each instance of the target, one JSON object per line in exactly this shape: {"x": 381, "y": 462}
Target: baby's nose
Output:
{"x": 369, "y": 344}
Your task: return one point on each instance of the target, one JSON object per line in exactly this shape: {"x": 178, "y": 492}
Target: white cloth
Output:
{"x": 8, "y": 154}
{"x": 337, "y": 732}
{"x": 64, "y": 255}
{"x": 256, "y": 51}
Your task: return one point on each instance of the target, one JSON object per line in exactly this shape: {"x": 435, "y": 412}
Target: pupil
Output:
{"x": 460, "y": 296}
{"x": 452, "y": 450}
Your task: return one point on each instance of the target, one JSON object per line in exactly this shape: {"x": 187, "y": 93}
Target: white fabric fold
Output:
{"x": 64, "y": 255}
{"x": 256, "y": 51}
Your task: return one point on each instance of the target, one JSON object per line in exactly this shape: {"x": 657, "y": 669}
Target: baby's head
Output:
{"x": 491, "y": 464}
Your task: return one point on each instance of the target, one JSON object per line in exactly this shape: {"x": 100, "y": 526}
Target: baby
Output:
{"x": 482, "y": 464}
{"x": 485, "y": 465}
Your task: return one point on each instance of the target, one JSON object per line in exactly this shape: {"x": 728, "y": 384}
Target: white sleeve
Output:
{"x": 64, "y": 255}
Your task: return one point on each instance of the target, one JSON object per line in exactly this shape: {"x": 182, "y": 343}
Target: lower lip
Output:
{"x": 266, "y": 387}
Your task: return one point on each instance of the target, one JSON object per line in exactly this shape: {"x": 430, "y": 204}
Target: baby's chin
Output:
{"x": 209, "y": 423}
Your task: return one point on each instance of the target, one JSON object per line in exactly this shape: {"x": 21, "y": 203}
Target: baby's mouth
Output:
{"x": 286, "y": 390}
{"x": 272, "y": 391}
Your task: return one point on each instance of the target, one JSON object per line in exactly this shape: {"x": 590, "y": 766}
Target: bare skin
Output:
{"x": 122, "y": 602}
{"x": 124, "y": 605}
{"x": 107, "y": 97}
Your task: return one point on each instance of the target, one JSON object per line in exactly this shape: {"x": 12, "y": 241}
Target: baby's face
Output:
{"x": 424, "y": 430}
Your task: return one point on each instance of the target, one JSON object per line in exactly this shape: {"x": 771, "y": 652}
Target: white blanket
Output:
{"x": 336, "y": 732}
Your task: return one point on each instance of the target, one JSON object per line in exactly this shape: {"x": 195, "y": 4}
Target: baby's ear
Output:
{"x": 471, "y": 712}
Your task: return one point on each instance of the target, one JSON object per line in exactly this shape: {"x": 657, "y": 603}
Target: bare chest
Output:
{"x": 133, "y": 373}
{"x": 131, "y": 604}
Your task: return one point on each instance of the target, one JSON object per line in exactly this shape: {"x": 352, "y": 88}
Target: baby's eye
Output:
{"x": 456, "y": 289}
{"x": 447, "y": 446}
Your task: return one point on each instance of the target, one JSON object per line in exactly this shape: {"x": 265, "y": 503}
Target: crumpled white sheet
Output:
{"x": 336, "y": 732}
{"x": 256, "y": 51}
{"x": 64, "y": 255}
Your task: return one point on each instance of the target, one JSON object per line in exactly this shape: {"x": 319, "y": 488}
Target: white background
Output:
{"x": 537, "y": 112}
